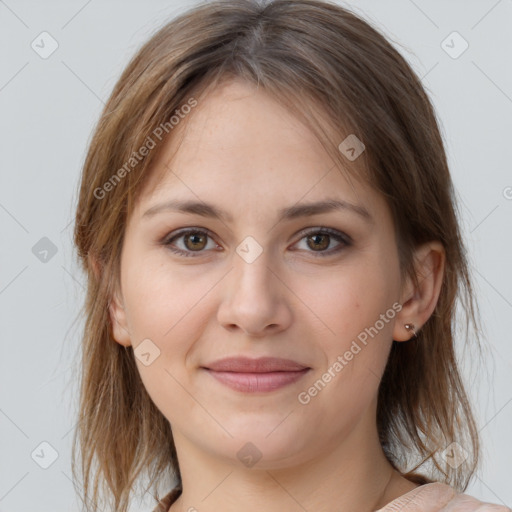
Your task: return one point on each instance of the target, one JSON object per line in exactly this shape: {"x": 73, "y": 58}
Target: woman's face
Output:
{"x": 261, "y": 279}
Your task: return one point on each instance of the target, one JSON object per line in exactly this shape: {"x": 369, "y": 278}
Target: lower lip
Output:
{"x": 257, "y": 382}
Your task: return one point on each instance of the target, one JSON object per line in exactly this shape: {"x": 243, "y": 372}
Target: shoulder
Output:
{"x": 438, "y": 497}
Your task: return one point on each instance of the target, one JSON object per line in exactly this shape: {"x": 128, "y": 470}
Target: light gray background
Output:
{"x": 48, "y": 110}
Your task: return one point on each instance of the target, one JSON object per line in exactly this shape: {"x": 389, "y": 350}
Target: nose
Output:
{"x": 255, "y": 298}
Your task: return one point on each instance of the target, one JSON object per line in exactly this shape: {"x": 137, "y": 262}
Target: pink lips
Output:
{"x": 256, "y": 375}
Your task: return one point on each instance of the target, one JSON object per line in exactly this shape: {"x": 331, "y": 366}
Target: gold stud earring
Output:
{"x": 410, "y": 327}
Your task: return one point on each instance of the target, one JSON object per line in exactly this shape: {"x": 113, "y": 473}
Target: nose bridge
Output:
{"x": 252, "y": 272}
{"x": 253, "y": 298}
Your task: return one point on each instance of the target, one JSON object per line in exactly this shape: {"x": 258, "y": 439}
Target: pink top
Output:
{"x": 438, "y": 497}
{"x": 433, "y": 497}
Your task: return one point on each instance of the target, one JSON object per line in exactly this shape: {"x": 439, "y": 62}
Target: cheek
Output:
{"x": 162, "y": 299}
{"x": 167, "y": 308}
{"x": 356, "y": 303}
{"x": 170, "y": 307}
{"x": 356, "y": 354}
{"x": 352, "y": 299}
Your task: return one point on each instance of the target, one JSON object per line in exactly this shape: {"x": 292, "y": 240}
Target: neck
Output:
{"x": 353, "y": 474}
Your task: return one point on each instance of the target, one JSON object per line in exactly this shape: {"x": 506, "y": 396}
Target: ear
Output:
{"x": 418, "y": 303}
{"x": 120, "y": 331}
{"x": 116, "y": 309}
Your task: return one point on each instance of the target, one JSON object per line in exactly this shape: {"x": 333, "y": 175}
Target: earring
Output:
{"x": 410, "y": 327}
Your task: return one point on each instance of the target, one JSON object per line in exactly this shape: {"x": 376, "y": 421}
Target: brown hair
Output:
{"x": 341, "y": 76}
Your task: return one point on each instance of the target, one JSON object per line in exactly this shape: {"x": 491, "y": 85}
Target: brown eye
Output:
{"x": 324, "y": 241}
{"x": 318, "y": 241}
{"x": 195, "y": 241}
{"x": 190, "y": 241}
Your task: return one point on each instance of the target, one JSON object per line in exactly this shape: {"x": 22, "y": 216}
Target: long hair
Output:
{"x": 342, "y": 77}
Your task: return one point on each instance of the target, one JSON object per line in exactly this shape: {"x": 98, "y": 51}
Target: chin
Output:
{"x": 262, "y": 446}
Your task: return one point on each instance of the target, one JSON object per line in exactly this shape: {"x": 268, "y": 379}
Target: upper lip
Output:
{"x": 260, "y": 365}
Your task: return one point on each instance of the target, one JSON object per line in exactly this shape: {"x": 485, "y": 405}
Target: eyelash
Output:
{"x": 344, "y": 239}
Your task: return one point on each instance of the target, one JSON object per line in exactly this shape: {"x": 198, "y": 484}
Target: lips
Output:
{"x": 261, "y": 365}
{"x": 256, "y": 375}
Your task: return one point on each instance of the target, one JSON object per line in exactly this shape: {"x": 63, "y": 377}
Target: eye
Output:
{"x": 317, "y": 240}
{"x": 194, "y": 240}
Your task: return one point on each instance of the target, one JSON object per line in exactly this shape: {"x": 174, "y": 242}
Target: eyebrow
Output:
{"x": 289, "y": 213}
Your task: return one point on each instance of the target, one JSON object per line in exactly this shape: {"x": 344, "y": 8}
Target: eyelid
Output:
{"x": 344, "y": 240}
{"x": 326, "y": 230}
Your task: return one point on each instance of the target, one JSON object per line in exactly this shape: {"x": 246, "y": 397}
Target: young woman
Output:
{"x": 267, "y": 222}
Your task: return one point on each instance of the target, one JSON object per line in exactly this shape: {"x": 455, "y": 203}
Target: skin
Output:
{"x": 244, "y": 153}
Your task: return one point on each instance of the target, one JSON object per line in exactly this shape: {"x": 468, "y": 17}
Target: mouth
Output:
{"x": 256, "y": 375}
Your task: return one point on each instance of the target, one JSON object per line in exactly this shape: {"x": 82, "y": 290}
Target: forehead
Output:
{"x": 240, "y": 146}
